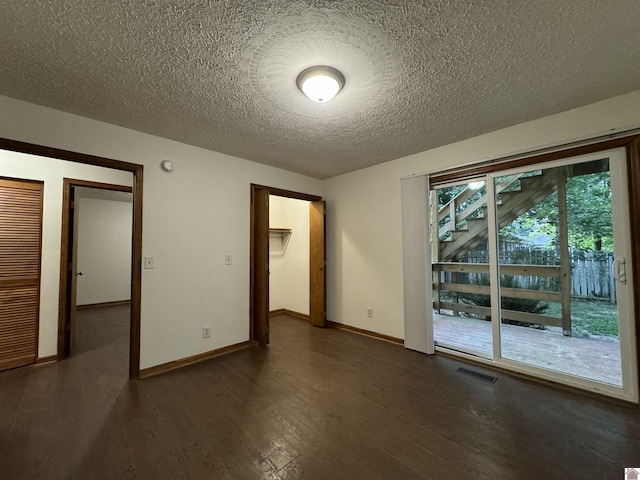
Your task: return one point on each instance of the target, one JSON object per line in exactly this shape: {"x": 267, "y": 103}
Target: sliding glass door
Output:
{"x": 461, "y": 298}
{"x": 530, "y": 271}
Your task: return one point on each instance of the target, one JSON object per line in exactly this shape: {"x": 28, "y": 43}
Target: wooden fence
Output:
{"x": 592, "y": 275}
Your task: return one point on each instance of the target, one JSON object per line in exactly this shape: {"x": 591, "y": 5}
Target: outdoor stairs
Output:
{"x": 530, "y": 192}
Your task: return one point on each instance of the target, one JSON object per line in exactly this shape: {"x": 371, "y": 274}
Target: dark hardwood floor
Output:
{"x": 316, "y": 404}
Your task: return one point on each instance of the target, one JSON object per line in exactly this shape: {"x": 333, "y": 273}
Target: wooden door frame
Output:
{"x": 317, "y": 264}
{"x": 136, "y": 250}
{"x": 65, "y": 302}
{"x": 280, "y": 193}
{"x": 259, "y": 271}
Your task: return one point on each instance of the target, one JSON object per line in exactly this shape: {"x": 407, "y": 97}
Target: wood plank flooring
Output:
{"x": 315, "y": 404}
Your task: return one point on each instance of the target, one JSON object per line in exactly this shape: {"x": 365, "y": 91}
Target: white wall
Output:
{"x": 199, "y": 213}
{"x": 52, "y": 172}
{"x": 104, "y": 251}
{"x": 276, "y": 254}
{"x": 289, "y": 279}
{"x": 296, "y": 260}
{"x": 191, "y": 219}
{"x": 364, "y": 237}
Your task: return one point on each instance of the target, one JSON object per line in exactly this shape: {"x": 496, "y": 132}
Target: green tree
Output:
{"x": 589, "y": 205}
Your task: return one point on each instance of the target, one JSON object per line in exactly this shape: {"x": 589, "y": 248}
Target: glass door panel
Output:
{"x": 531, "y": 270}
{"x": 558, "y": 299}
{"x": 460, "y": 264}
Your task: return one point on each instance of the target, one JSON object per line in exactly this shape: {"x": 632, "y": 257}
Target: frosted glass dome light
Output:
{"x": 321, "y": 83}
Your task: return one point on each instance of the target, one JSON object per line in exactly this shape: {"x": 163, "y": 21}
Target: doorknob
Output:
{"x": 79, "y": 274}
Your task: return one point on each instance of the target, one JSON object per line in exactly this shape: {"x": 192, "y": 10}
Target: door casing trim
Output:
{"x": 280, "y": 193}
{"x": 66, "y": 256}
{"x": 136, "y": 250}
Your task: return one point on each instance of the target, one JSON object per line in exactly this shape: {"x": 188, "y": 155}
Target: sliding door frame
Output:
{"x": 631, "y": 144}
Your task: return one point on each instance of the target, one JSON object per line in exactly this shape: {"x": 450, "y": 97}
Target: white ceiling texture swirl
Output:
{"x": 360, "y": 51}
{"x": 221, "y": 74}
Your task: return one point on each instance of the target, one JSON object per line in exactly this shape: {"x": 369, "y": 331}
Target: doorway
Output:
{"x": 288, "y": 257}
{"x": 260, "y": 258}
{"x": 69, "y": 273}
{"x": 532, "y": 271}
{"x": 136, "y": 260}
{"x": 98, "y": 245}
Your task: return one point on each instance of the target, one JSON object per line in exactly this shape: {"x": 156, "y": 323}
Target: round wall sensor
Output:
{"x": 167, "y": 166}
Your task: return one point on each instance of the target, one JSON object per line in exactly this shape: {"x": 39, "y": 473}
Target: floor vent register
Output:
{"x": 480, "y": 376}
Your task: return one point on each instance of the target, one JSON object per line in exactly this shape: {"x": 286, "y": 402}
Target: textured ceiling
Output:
{"x": 221, "y": 74}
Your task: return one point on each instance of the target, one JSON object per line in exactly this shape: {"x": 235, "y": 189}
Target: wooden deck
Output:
{"x": 594, "y": 359}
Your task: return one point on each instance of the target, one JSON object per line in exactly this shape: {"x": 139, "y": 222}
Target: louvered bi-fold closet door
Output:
{"x": 20, "y": 239}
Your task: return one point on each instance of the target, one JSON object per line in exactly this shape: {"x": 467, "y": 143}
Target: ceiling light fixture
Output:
{"x": 320, "y": 83}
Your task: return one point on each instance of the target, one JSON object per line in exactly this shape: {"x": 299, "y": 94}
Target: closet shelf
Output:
{"x": 284, "y": 234}
{"x": 280, "y": 231}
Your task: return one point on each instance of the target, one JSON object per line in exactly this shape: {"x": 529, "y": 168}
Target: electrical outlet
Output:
{"x": 369, "y": 312}
{"x": 206, "y": 332}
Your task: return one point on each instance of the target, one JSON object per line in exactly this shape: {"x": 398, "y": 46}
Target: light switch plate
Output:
{"x": 228, "y": 259}
{"x": 149, "y": 263}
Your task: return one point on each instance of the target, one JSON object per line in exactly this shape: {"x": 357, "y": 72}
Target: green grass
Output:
{"x": 589, "y": 317}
